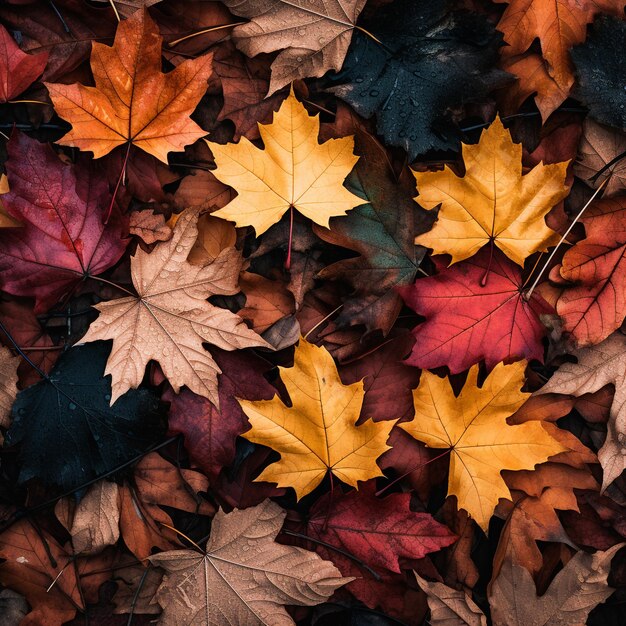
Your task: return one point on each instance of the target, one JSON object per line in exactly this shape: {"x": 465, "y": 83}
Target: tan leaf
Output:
{"x": 244, "y": 577}
{"x": 598, "y": 147}
{"x": 169, "y": 319}
{"x": 574, "y": 592}
{"x": 8, "y": 384}
{"x": 313, "y": 35}
{"x": 136, "y": 588}
{"x": 97, "y": 519}
{"x": 149, "y": 226}
{"x": 214, "y": 236}
{"x": 450, "y": 607}
{"x": 267, "y": 301}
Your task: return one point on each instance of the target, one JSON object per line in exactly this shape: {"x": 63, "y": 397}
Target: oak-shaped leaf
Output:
{"x": 593, "y": 305}
{"x": 293, "y": 171}
{"x": 601, "y": 71}
{"x": 133, "y": 102}
{"x": 421, "y": 60}
{"x": 473, "y": 426}
{"x": 467, "y": 322}
{"x": 244, "y": 577}
{"x": 17, "y": 69}
{"x": 170, "y": 318}
{"x": 597, "y": 366}
{"x": 210, "y": 433}
{"x": 63, "y": 240}
{"x": 379, "y": 531}
{"x": 382, "y": 232}
{"x": 492, "y": 203}
{"x": 313, "y": 35}
{"x": 316, "y": 434}
{"x": 66, "y": 429}
{"x": 577, "y": 589}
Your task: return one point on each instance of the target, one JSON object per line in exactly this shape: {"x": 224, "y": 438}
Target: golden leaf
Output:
{"x": 317, "y": 433}
{"x": 493, "y": 202}
{"x": 482, "y": 444}
{"x": 293, "y": 170}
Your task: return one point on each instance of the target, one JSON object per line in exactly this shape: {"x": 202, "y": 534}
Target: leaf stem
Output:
{"x": 483, "y": 280}
{"x": 393, "y": 482}
{"x": 323, "y": 320}
{"x": 110, "y": 282}
{"x": 119, "y": 181}
{"x": 29, "y": 102}
{"x": 117, "y": 15}
{"x": 529, "y": 293}
{"x": 288, "y": 261}
{"x": 202, "y": 32}
{"x": 182, "y": 534}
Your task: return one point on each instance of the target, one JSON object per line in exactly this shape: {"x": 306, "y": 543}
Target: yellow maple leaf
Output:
{"x": 317, "y": 433}
{"x": 493, "y": 201}
{"x": 133, "y": 102}
{"x": 293, "y": 170}
{"x": 482, "y": 444}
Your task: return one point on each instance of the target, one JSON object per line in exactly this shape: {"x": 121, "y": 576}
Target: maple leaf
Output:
{"x": 467, "y": 322}
{"x": 598, "y": 366}
{"x": 75, "y": 398}
{"x": 578, "y": 588}
{"x": 599, "y": 147}
{"x": 317, "y": 433}
{"x": 379, "y": 531}
{"x": 17, "y": 69}
{"x": 170, "y": 318}
{"x": 422, "y": 61}
{"x": 473, "y": 426}
{"x": 493, "y": 202}
{"x": 133, "y": 102}
{"x": 149, "y": 226}
{"x": 382, "y": 232}
{"x": 210, "y": 434}
{"x": 294, "y": 171}
{"x": 594, "y": 305}
{"x": 313, "y": 35}
{"x": 601, "y": 70}
{"x": 244, "y": 577}
{"x": 64, "y": 240}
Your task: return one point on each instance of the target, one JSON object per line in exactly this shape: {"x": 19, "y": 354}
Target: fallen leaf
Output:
{"x": 18, "y": 70}
{"x": 267, "y": 301}
{"x": 430, "y": 59}
{"x": 450, "y": 607}
{"x": 64, "y": 240}
{"x": 473, "y": 427}
{"x": 293, "y": 171}
{"x": 599, "y": 147}
{"x": 133, "y": 102}
{"x": 314, "y": 36}
{"x": 493, "y": 203}
{"x": 244, "y": 577}
{"x": 317, "y": 433}
{"x": 8, "y": 384}
{"x": 601, "y": 70}
{"x": 210, "y": 434}
{"x": 379, "y": 531}
{"x": 96, "y": 519}
{"x": 382, "y": 232}
{"x": 74, "y": 399}
{"x": 127, "y": 7}
{"x": 467, "y": 322}
{"x": 149, "y": 226}
{"x": 170, "y": 318}
{"x": 598, "y": 366}
{"x": 557, "y": 25}
{"x": 578, "y": 588}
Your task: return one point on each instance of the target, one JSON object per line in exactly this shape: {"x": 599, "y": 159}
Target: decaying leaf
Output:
{"x": 317, "y": 433}
{"x": 170, "y": 318}
{"x": 244, "y": 577}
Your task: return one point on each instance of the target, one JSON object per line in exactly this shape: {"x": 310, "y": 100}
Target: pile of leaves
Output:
{"x": 312, "y": 312}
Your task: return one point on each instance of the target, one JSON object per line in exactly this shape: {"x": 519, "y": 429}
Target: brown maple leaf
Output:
{"x": 169, "y": 319}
